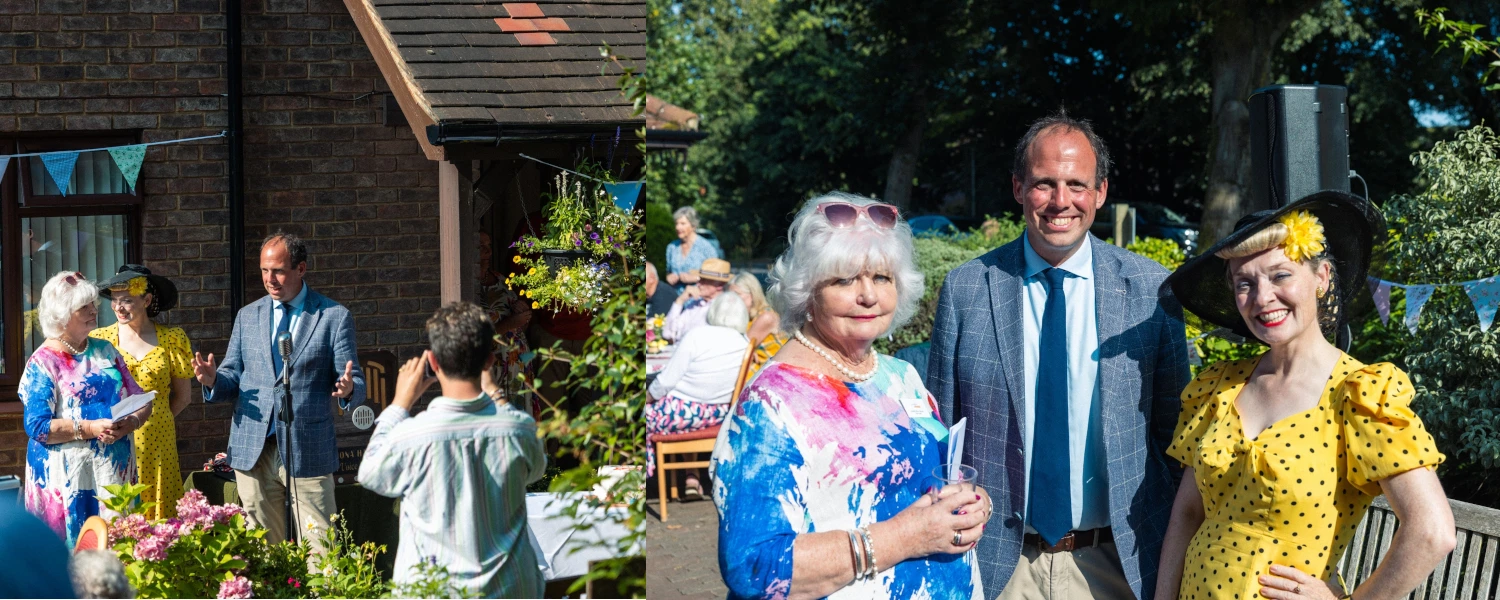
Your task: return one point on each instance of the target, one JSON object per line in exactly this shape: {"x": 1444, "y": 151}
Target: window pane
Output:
{"x": 95, "y": 173}
{"x": 94, "y": 245}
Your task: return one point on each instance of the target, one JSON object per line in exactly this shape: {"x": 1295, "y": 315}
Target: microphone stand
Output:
{"x": 285, "y": 433}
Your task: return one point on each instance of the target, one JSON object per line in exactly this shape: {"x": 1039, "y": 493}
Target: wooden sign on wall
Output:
{"x": 380, "y": 368}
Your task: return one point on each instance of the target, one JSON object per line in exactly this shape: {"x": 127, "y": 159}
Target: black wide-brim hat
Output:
{"x": 163, "y": 288}
{"x": 1354, "y": 231}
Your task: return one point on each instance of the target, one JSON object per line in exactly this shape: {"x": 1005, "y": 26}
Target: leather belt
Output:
{"x": 1073, "y": 541}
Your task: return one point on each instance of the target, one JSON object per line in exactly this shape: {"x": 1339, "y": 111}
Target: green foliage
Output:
{"x": 936, "y": 255}
{"x": 346, "y": 569}
{"x": 431, "y": 581}
{"x": 180, "y": 558}
{"x": 1165, "y": 252}
{"x": 280, "y": 571}
{"x": 580, "y": 218}
{"x": 659, "y": 228}
{"x": 1450, "y": 232}
{"x": 1465, "y": 36}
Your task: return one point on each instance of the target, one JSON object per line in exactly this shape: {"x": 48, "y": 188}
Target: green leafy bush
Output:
{"x": 1450, "y": 232}
{"x": 660, "y": 231}
{"x": 935, "y": 256}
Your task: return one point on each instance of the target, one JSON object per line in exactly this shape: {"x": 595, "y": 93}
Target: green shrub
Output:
{"x": 936, "y": 255}
{"x": 660, "y": 231}
{"x": 1450, "y": 232}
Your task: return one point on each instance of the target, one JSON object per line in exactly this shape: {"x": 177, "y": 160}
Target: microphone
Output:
{"x": 284, "y": 346}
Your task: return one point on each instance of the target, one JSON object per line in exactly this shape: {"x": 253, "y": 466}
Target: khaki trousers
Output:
{"x": 263, "y": 494}
{"x": 1092, "y": 572}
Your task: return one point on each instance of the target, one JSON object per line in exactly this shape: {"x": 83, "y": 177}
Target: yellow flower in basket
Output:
{"x": 1304, "y": 235}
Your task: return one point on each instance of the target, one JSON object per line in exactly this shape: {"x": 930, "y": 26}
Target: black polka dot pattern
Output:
{"x": 1295, "y": 494}
{"x": 156, "y": 440}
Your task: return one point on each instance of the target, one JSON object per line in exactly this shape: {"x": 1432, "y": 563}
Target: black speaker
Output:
{"x": 1299, "y": 142}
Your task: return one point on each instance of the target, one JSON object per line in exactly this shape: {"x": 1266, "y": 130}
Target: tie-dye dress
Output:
{"x": 806, "y": 453}
{"x": 65, "y": 478}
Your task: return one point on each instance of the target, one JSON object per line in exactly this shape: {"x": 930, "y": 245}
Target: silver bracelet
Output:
{"x": 77, "y": 430}
{"x": 854, "y": 556}
{"x": 871, "y": 568}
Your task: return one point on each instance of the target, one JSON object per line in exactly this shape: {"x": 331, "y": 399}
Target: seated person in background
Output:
{"x": 764, "y": 322}
{"x": 461, "y": 467}
{"x": 692, "y": 392}
{"x": 691, "y": 308}
{"x": 659, "y": 297}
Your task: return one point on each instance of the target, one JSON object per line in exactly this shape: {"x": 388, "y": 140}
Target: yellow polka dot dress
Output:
{"x": 1295, "y": 494}
{"x": 156, "y": 441}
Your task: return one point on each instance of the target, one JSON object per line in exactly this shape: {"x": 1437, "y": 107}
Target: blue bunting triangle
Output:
{"x": 1485, "y": 294}
{"x": 60, "y": 167}
{"x": 1416, "y": 296}
{"x": 4, "y": 163}
{"x": 625, "y": 193}
{"x": 129, "y": 159}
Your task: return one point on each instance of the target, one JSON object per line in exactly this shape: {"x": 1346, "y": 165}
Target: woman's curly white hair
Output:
{"x": 59, "y": 301}
{"x": 818, "y": 252}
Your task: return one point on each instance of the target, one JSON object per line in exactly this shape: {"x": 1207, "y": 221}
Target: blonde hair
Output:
{"x": 1271, "y": 236}
{"x": 748, "y": 282}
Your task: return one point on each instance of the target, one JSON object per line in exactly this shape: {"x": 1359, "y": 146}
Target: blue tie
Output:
{"x": 1050, "y": 497}
{"x": 284, "y": 326}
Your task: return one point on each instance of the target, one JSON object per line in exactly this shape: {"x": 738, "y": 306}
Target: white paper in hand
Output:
{"x": 956, "y": 446}
{"x": 130, "y": 404}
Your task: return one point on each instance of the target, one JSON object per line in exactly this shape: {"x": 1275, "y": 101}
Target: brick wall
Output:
{"x": 361, "y": 193}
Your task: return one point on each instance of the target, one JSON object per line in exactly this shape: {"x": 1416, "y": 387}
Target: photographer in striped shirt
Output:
{"x": 460, "y": 467}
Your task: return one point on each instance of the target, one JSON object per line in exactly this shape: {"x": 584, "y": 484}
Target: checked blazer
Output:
{"x": 323, "y": 343}
{"x": 976, "y": 372}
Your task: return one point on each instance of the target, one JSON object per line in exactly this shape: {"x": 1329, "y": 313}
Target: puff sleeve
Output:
{"x": 1198, "y": 411}
{"x": 179, "y": 354}
{"x": 1382, "y": 436}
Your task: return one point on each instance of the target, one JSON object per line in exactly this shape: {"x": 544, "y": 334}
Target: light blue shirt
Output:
{"x": 1086, "y": 458}
{"x": 297, "y": 312}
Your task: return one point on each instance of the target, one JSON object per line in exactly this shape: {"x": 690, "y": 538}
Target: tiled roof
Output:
{"x": 529, "y": 64}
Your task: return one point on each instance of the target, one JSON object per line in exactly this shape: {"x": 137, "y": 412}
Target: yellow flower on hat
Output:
{"x": 137, "y": 286}
{"x": 1304, "y": 235}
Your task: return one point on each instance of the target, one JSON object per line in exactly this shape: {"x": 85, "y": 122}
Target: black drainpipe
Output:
{"x": 236, "y": 158}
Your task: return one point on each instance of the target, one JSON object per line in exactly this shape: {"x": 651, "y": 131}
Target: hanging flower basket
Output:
{"x": 585, "y": 239}
{"x": 557, "y": 259}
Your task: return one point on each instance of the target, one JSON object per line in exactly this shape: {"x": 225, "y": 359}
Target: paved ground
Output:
{"x": 683, "y": 553}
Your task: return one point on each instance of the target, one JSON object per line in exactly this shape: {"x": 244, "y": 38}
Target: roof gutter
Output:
{"x": 494, "y": 134}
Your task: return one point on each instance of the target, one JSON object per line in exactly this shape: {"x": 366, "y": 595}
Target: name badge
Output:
{"x": 917, "y": 406}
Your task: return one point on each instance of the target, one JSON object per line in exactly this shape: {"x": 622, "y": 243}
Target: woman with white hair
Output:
{"x": 827, "y": 482}
{"x": 693, "y": 391}
{"x": 68, "y": 389}
{"x": 688, "y": 251}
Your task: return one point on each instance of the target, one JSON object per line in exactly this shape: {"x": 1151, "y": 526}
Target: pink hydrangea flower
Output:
{"x": 133, "y": 527}
{"x": 151, "y": 549}
{"x": 239, "y": 587}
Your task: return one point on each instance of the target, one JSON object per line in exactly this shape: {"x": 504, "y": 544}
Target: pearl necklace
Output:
{"x": 70, "y": 346}
{"x": 837, "y": 364}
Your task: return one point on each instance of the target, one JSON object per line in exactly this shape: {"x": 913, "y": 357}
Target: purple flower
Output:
{"x": 151, "y": 549}
{"x": 239, "y": 587}
{"x": 594, "y": 236}
{"x": 133, "y": 527}
{"x": 577, "y": 242}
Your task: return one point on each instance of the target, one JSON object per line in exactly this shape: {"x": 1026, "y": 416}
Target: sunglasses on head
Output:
{"x": 74, "y": 278}
{"x": 844, "y": 214}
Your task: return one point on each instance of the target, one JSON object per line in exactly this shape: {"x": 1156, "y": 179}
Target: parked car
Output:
{"x": 1151, "y": 220}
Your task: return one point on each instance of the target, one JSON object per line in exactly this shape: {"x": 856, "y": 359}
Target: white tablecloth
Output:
{"x": 656, "y": 362}
{"x": 554, "y": 539}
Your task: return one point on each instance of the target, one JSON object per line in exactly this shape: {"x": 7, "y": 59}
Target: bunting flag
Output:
{"x": 1485, "y": 294}
{"x": 1381, "y": 290}
{"x": 625, "y": 193}
{"x": 60, "y": 167}
{"x": 1416, "y": 296}
{"x": 129, "y": 159}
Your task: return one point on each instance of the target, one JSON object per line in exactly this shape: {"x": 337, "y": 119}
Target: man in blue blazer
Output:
{"x": 1066, "y": 355}
{"x": 324, "y": 365}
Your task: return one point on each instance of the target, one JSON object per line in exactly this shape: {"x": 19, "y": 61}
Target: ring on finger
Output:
{"x": 958, "y": 538}
{"x": 1297, "y": 590}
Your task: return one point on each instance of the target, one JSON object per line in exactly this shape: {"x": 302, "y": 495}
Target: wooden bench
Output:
{"x": 1470, "y": 572}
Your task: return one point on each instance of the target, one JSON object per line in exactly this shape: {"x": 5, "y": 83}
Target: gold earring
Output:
{"x": 1322, "y": 292}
